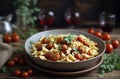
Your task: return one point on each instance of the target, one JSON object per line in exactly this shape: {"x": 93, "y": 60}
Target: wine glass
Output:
{"x": 107, "y": 22}
{"x": 46, "y": 18}
{"x": 72, "y": 17}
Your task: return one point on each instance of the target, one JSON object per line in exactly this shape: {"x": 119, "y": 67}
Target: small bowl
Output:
{"x": 65, "y": 66}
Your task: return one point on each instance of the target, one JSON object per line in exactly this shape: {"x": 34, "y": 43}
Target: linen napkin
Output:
{"x": 6, "y": 52}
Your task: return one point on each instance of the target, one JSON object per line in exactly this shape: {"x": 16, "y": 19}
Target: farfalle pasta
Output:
{"x": 64, "y": 48}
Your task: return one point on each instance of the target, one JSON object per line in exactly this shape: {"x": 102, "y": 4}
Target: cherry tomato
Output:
{"x": 98, "y": 34}
{"x": 39, "y": 47}
{"x": 25, "y": 74}
{"x": 91, "y": 31}
{"x": 82, "y": 41}
{"x": 22, "y": 61}
{"x": 64, "y": 47}
{"x": 106, "y": 36}
{"x": 11, "y": 63}
{"x": 15, "y": 37}
{"x": 29, "y": 71}
{"x": 109, "y": 48}
{"x": 7, "y": 38}
{"x": 89, "y": 52}
{"x": 53, "y": 56}
{"x": 59, "y": 40}
{"x": 115, "y": 43}
{"x": 17, "y": 72}
{"x": 45, "y": 40}
{"x": 49, "y": 46}
{"x": 78, "y": 56}
{"x": 15, "y": 59}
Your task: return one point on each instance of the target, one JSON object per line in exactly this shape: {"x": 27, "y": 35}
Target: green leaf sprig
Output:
{"x": 111, "y": 62}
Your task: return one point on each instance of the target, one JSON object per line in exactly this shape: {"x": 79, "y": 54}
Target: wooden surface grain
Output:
{"x": 42, "y": 75}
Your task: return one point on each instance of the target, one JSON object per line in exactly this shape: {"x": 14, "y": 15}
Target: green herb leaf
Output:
{"x": 68, "y": 39}
{"x": 111, "y": 62}
{"x": 4, "y": 69}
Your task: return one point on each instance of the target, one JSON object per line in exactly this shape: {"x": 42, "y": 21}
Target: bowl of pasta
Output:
{"x": 64, "y": 49}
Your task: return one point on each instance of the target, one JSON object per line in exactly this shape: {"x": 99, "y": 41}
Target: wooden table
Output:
{"x": 91, "y": 75}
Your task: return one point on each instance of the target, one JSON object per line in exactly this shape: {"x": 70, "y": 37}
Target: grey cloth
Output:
{"x": 6, "y": 52}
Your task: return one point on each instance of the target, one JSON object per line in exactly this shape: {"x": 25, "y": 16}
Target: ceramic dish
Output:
{"x": 65, "y": 66}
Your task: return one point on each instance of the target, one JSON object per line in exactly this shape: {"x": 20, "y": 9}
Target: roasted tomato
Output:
{"x": 78, "y": 56}
{"x": 49, "y": 46}
{"x": 64, "y": 47}
{"x": 53, "y": 56}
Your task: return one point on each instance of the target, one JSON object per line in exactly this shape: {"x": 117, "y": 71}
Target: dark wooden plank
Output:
{"x": 91, "y": 75}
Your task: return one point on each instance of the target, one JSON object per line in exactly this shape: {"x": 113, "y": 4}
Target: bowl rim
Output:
{"x": 50, "y": 61}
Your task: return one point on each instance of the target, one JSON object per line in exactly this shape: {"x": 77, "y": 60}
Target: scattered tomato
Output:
{"x": 98, "y": 34}
{"x": 106, "y": 36}
{"x": 15, "y": 37}
{"x": 109, "y": 48}
{"x": 25, "y": 74}
{"x": 91, "y": 31}
{"x": 115, "y": 43}
{"x": 11, "y": 63}
{"x": 17, "y": 72}
{"x": 7, "y": 38}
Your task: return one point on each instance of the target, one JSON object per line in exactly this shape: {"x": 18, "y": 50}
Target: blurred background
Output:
{"x": 89, "y": 10}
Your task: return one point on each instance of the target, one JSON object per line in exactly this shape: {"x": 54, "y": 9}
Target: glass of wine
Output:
{"x": 46, "y": 18}
{"x": 72, "y": 17}
{"x": 107, "y": 22}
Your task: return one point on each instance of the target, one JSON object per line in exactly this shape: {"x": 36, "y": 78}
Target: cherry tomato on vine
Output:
{"x": 17, "y": 72}
{"x": 109, "y": 48}
{"x": 7, "y": 38}
{"x": 106, "y": 36}
{"x": 25, "y": 74}
{"x": 29, "y": 71}
{"x": 115, "y": 43}
{"x": 11, "y": 63}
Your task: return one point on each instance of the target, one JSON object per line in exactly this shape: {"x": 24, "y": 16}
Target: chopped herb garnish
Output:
{"x": 76, "y": 50}
{"x": 111, "y": 62}
{"x": 68, "y": 39}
